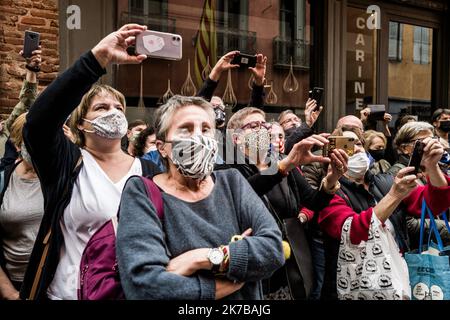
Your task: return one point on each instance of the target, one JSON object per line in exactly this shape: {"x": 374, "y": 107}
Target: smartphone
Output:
{"x": 316, "y": 94}
{"x": 444, "y": 125}
{"x": 161, "y": 45}
{"x": 416, "y": 157}
{"x": 30, "y": 43}
{"x": 377, "y": 112}
{"x": 338, "y": 142}
{"x": 244, "y": 60}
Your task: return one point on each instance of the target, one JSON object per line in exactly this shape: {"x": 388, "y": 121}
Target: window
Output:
{"x": 421, "y": 45}
{"x": 395, "y": 41}
{"x": 232, "y": 27}
{"x": 152, "y": 13}
{"x": 291, "y": 40}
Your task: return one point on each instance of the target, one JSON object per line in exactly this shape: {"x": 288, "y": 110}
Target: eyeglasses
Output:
{"x": 256, "y": 125}
{"x": 421, "y": 140}
{"x": 291, "y": 120}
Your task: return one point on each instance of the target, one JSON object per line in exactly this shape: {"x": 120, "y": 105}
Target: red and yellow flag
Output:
{"x": 206, "y": 42}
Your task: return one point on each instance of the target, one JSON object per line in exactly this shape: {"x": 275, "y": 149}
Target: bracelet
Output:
{"x": 325, "y": 187}
{"x": 226, "y": 260}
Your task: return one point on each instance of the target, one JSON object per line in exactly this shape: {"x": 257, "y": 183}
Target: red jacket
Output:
{"x": 332, "y": 218}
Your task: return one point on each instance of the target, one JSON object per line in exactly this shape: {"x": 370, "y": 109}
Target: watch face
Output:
{"x": 216, "y": 256}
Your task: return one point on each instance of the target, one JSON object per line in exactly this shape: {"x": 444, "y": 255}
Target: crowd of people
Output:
{"x": 248, "y": 207}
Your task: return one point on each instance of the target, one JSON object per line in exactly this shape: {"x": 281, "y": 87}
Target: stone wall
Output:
{"x": 16, "y": 16}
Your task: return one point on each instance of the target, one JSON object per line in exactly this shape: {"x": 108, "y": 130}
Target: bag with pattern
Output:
{"x": 373, "y": 269}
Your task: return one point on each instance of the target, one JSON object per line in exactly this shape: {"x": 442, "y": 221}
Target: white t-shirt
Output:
{"x": 95, "y": 200}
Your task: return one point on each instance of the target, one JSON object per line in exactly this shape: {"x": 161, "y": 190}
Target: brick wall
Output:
{"x": 16, "y": 16}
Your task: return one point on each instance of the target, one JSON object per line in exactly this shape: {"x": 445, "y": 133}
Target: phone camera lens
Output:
{"x": 174, "y": 38}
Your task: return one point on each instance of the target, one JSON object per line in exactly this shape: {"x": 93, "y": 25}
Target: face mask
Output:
{"x": 257, "y": 141}
{"x": 111, "y": 125}
{"x": 220, "y": 117}
{"x": 194, "y": 157}
{"x": 377, "y": 154}
{"x": 24, "y": 154}
{"x": 152, "y": 148}
{"x": 445, "y": 126}
{"x": 358, "y": 164}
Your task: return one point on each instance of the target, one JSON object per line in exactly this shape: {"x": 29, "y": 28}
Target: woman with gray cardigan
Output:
{"x": 189, "y": 254}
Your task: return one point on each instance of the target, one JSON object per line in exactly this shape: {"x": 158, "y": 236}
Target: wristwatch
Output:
{"x": 215, "y": 256}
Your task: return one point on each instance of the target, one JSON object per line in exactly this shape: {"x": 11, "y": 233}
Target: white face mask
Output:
{"x": 358, "y": 164}
{"x": 111, "y": 125}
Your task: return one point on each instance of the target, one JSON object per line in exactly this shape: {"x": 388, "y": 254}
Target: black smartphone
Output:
{"x": 416, "y": 157}
{"x": 377, "y": 112}
{"x": 244, "y": 60}
{"x": 30, "y": 43}
{"x": 316, "y": 94}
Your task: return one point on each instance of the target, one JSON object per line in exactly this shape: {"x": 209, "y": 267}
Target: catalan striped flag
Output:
{"x": 206, "y": 42}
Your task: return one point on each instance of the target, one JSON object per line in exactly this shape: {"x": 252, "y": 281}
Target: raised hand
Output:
{"x": 259, "y": 71}
{"x": 311, "y": 116}
{"x": 113, "y": 48}
{"x": 404, "y": 183}
{"x": 223, "y": 64}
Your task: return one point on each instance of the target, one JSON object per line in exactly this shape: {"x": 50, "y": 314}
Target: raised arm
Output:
{"x": 28, "y": 93}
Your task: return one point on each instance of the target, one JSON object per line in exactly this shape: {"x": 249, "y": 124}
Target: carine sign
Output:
{"x": 361, "y": 26}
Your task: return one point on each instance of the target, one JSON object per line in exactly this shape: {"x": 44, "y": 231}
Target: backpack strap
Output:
{"x": 155, "y": 196}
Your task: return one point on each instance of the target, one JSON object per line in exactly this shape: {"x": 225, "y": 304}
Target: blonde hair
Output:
{"x": 16, "y": 130}
{"x": 237, "y": 120}
{"x": 370, "y": 135}
{"x": 80, "y": 112}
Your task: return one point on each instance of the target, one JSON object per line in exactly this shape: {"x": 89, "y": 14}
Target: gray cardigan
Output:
{"x": 143, "y": 243}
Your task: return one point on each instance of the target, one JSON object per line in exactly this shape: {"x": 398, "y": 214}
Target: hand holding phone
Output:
{"x": 244, "y": 60}
{"x": 160, "y": 45}
{"x": 316, "y": 93}
{"x": 30, "y": 43}
{"x": 339, "y": 142}
{"x": 377, "y": 112}
{"x": 416, "y": 157}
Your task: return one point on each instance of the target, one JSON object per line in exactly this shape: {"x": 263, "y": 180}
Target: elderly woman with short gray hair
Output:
{"x": 408, "y": 134}
{"x": 405, "y": 139}
{"x": 189, "y": 254}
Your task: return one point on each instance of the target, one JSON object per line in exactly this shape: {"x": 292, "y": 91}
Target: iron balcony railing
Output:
{"x": 233, "y": 39}
{"x": 284, "y": 49}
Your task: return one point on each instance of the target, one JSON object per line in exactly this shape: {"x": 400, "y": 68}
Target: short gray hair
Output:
{"x": 164, "y": 114}
{"x": 409, "y": 130}
{"x": 284, "y": 113}
{"x": 237, "y": 120}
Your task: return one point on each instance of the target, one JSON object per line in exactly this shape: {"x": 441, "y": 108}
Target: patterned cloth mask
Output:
{"x": 258, "y": 141}
{"x": 111, "y": 125}
{"x": 194, "y": 157}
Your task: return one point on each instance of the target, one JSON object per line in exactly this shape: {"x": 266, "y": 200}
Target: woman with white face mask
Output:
{"x": 190, "y": 253}
{"x": 382, "y": 198}
{"x": 82, "y": 183}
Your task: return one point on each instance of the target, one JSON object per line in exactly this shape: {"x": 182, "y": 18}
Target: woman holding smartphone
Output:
{"x": 365, "y": 198}
{"x": 81, "y": 183}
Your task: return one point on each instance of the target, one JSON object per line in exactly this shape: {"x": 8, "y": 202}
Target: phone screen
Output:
{"x": 416, "y": 157}
{"x": 316, "y": 94}
{"x": 244, "y": 60}
{"x": 377, "y": 112}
